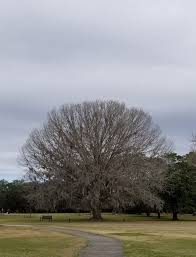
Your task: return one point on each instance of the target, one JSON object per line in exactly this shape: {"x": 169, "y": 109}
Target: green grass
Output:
{"x": 76, "y": 217}
{"x": 27, "y": 242}
{"x": 152, "y": 238}
{"x": 160, "y": 247}
{"x": 141, "y": 236}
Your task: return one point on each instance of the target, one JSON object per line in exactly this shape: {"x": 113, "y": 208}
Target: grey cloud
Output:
{"x": 55, "y": 52}
{"x": 163, "y": 39}
{"x": 178, "y": 126}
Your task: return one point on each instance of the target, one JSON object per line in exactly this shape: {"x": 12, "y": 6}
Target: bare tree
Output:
{"x": 193, "y": 142}
{"x": 101, "y": 151}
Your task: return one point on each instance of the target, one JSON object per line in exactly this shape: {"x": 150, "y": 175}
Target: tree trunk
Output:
{"x": 159, "y": 215}
{"x": 175, "y": 215}
{"x": 148, "y": 214}
{"x": 96, "y": 214}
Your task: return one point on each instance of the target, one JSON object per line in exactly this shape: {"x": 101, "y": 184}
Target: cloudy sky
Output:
{"x": 136, "y": 51}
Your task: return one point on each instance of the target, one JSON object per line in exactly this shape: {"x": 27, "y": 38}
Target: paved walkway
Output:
{"x": 98, "y": 246}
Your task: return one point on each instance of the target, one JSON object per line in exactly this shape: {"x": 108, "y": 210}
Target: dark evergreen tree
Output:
{"x": 179, "y": 193}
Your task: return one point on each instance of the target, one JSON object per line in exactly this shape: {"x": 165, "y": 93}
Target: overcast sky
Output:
{"x": 136, "y": 51}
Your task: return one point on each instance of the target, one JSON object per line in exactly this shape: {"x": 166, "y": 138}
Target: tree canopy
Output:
{"x": 180, "y": 188}
{"x": 98, "y": 153}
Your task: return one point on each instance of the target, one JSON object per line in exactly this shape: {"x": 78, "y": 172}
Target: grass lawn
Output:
{"x": 29, "y": 242}
{"x": 150, "y": 239}
{"x": 141, "y": 236}
{"x": 75, "y": 217}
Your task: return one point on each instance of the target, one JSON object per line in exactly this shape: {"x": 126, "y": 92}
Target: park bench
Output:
{"x": 46, "y": 217}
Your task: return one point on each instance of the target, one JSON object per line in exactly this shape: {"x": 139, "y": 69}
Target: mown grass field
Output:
{"x": 28, "y": 242}
{"x": 150, "y": 239}
{"x": 141, "y": 236}
{"x": 63, "y": 218}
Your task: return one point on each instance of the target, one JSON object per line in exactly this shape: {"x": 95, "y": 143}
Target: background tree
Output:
{"x": 180, "y": 184}
{"x": 3, "y": 194}
{"x": 193, "y": 142}
{"x": 100, "y": 151}
{"x": 13, "y": 196}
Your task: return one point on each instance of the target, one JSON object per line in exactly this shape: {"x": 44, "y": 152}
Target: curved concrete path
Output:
{"x": 98, "y": 245}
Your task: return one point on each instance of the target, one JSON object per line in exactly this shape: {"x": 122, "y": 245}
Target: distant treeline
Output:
{"x": 178, "y": 194}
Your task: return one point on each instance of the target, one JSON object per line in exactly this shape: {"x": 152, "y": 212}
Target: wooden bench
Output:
{"x": 46, "y": 217}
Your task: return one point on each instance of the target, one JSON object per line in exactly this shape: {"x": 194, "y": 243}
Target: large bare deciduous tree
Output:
{"x": 101, "y": 152}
